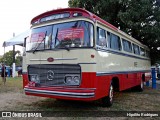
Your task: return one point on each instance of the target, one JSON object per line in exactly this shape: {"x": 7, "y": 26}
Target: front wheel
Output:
{"x": 108, "y": 100}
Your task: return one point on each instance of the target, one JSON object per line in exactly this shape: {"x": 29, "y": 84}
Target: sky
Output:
{"x": 15, "y": 16}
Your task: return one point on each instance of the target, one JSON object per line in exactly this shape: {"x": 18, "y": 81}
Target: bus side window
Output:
{"x": 147, "y": 54}
{"x": 126, "y": 45}
{"x": 115, "y": 42}
{"x": 109, "y": 39}
{"x": 101, "y": 37}
{"x": 136, "y": 49}
{"x": 142, "y": 52}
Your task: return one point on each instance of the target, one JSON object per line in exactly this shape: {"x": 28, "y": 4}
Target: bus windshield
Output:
{"x": 64, "y": 35}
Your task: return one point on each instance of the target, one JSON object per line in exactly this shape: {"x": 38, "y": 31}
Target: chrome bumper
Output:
{"x": 59, "y": 93}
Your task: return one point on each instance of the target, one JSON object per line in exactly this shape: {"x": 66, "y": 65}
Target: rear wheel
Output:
{"x": 108, "y": 100}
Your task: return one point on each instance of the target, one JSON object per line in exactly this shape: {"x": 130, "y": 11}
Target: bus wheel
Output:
{"x": 108, "y": 100}
{"x": 141, "y": 86}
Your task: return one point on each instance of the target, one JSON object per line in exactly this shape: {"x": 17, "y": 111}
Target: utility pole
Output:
{"x": 14, "y": 65}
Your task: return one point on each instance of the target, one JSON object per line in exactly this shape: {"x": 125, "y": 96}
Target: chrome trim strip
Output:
{"x": 119, "y": 72}
{"x": 65, "y": 58}
{"x": 54, "y": 59}
{"x": 87, "y": 63}
{"x": 73, "y": 88}
{"x": 80, "y": 88}
{"x": 56, "y": 93}
{"x": 38, "y": 59}
{"x": 122, "y": 54}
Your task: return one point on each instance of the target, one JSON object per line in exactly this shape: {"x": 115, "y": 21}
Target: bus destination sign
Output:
{"x": 55, "y": 16}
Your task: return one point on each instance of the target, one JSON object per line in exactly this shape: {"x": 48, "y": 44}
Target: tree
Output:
{"x": 138, "y": 18}
{"x": 8, "y": 58}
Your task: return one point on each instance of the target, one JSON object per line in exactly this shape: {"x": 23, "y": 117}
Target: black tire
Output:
{"x": 108, "y": 100}
{"x": 141, "y": 86}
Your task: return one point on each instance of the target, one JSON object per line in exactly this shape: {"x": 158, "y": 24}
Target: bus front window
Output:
{"x": 70, "y": 34}
{"x": 73, "y": 34}
{"x": 39, "y": 38}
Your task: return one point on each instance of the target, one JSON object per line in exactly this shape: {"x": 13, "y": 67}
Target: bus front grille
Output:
{"x": 52, "y": 75}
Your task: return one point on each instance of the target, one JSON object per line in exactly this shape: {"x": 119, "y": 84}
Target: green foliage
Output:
{"x": 138, "y": 18}
{"x": 8, "y": 58}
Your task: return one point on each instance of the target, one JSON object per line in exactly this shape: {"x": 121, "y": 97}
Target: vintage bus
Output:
{"x": 72, "y": 54}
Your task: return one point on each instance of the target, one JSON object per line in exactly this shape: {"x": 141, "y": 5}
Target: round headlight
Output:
{"x": 34, "y": 78}
{"x": 68, "y": 79}
{"x": 76, "y": 80}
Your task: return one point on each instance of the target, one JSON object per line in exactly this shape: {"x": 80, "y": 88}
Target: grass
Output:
{"x": 12, "y": 84}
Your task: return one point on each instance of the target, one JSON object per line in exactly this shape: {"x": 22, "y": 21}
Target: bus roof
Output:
{"x": 83, "y": 13}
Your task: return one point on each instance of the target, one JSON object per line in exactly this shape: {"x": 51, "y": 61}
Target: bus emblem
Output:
{"x": 50, "y": 75}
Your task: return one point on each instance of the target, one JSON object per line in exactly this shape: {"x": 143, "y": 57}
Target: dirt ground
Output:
{"x": 12, "y": 98}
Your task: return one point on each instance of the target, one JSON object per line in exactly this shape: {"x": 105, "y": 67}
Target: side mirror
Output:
{"x": 24, "y": 46}
{"x": 25, "y": 39}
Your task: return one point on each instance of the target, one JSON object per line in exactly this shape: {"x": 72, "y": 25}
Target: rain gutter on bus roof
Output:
{"x": 118, "y": 31}
{"x": 132, "y": 39}
{"x": 56, "y": 11}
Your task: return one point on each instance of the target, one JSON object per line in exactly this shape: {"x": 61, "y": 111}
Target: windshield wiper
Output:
{"x": 56, "y": 38}
{"x": 40, "y": 43}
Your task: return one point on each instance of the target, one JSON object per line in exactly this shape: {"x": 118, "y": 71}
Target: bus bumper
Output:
{"x": 70, "y": 94}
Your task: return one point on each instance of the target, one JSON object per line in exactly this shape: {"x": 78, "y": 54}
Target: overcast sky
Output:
{"x": 15, "y": 15}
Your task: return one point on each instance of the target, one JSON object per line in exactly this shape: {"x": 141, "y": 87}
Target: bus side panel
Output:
{"x": 131, "y": 80}
{"x": 126, "y": 81}
{"x": 103, "y": 84}
{"x": 88, "y": 80}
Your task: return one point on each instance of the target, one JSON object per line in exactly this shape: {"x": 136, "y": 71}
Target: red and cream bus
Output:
{"x": 72, "y": 54}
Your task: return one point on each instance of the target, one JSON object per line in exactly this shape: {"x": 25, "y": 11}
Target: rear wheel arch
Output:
{"x": 141, "y": 86}
{"x": 143, "y": 77}
{"x": 115, "y": 83}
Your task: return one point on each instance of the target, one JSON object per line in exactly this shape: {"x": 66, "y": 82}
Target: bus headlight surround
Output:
{"x": 68, "y": 79}
{"x": 34, "y": 78}
{"x": 76, "y": 80}
{"x": 72, "y": 80}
